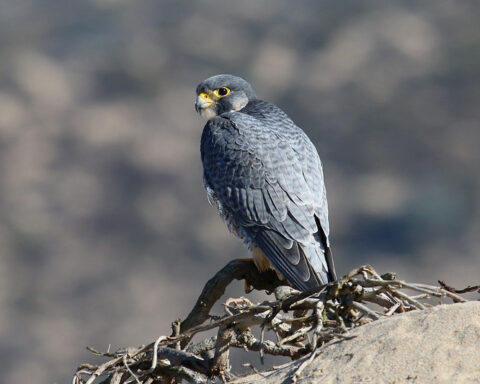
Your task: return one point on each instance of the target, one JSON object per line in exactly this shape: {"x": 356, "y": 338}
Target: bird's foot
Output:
{"x": 246, "y": 286}
{"x": 234, "y": 306}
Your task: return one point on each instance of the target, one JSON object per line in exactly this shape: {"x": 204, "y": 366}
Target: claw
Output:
{"x": 247, "y": 287}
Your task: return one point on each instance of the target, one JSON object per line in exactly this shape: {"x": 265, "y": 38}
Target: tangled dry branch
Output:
{"x": 300, "y": 321}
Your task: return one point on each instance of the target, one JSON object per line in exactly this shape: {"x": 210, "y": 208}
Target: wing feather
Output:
{"x": 268, "y": 175}
{"x": 289, "y": 261}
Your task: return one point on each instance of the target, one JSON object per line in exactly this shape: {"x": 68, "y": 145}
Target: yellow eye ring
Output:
{"x": 221, "y": 92}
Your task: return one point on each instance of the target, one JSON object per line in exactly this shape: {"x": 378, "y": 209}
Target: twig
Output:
{"x": 220, "y": 363}
{"x": 299, "y": 333}
{"x": 456, "y": 298}
{"x": 392, "y": 309}
{"x": 248, "y": 341}
{"x": 124, "y": 360}
{"x": 364, "y": 309}
{"x": 155, "y": 351}
{"x": 448, "y": 288}
{"x": 407, "y": 298}
{"x": 215, "y": 288}
{"x": 303, "y": 365}
{"x": 336, "y": 309}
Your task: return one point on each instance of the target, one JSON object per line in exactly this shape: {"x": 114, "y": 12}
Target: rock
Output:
{"x": 438, "y": 345}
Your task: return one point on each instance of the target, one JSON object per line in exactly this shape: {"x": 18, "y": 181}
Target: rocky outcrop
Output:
{"x": 438, "y": 345}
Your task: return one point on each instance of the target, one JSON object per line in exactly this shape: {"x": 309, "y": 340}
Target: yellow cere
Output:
{"x": 205, "y": 96}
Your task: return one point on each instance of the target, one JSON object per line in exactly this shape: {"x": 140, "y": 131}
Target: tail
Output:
{"x": 320, "y": 261}
{"x": 305, "y": 266}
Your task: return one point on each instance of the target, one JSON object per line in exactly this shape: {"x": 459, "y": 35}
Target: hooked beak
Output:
{"x": 203, "y": 101}
{"x": 205, "y": 106}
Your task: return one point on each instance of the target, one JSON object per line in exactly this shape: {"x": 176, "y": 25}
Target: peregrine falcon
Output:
{"x": 265, "y": 177}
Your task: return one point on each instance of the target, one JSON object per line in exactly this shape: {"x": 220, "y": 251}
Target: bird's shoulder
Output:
{"x": 260, "y": 128}
{"x": 257, "y": 119}
{"x": 267, "y": 115}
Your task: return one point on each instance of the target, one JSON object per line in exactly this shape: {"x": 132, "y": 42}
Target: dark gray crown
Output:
{"x": 234, "y": 83}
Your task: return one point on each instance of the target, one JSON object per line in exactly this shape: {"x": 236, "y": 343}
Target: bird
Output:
{"x": 265, "y": 177}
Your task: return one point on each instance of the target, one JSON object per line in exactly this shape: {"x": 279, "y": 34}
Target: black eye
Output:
{"x": 222, "y": 91}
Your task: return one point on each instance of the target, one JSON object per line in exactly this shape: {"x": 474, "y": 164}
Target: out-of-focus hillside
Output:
{"x": 105, "y": 230}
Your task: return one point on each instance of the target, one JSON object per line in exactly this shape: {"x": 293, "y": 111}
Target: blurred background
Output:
{"x": 106, "y": 234}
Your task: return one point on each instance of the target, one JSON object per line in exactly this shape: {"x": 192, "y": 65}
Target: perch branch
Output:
{"x": 301, "y": 321}
{"x": 215, "y": 288}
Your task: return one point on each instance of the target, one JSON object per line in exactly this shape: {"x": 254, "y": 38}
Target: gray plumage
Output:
{"x": 265, "y": 176}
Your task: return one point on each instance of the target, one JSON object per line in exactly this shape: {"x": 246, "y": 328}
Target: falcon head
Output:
{"x": 222, "y": 93}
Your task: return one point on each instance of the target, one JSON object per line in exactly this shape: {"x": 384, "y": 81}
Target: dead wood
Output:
{"x": 301, "y": 322}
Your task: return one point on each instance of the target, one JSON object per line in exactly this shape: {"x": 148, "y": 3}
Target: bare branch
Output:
{"x": 301, "y": 321}
{"x": 220, "y": 364}
{"x": 215, "y": 288}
